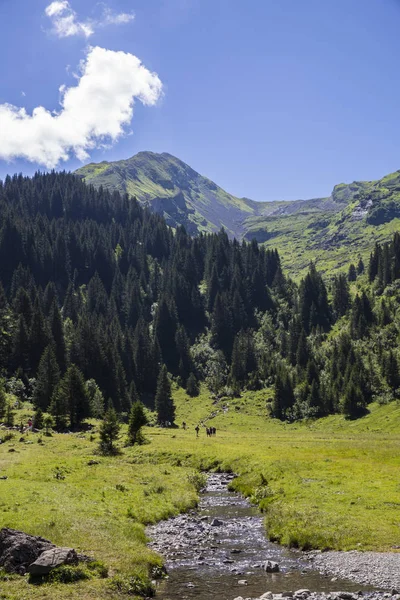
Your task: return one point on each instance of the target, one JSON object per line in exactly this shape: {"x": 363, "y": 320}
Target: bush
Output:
{"x": 132, "y": 585}
{"x": 63, "y": 574}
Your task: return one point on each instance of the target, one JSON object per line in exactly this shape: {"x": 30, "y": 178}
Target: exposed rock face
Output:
{"x": 18, "y": 550}
{"x": 50, "y": 559}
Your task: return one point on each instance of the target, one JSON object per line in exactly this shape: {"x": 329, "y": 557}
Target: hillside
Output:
{"x": 326, "y": 230}
{"x": 171, "y": 188}
{"x": 184, "y": 197}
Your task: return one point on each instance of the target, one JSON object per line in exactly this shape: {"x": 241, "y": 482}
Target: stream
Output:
{"x": 218, "y": 551}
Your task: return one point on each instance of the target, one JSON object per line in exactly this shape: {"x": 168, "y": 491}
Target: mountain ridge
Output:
{"x": 354, "y": 215}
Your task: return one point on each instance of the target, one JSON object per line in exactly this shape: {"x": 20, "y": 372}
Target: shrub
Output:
{"x": 69, "y": 574}
{"x": 132, "y": 585}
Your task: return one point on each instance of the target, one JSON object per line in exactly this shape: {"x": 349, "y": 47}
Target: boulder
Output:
{"x": 267, "y": 596}
{"x": 18, "y": 550}
{"x": 216, "y": 523}
{"x": 302, "y": 593}
{"x": 50, "y": 559}
{"x": 271, "y": 567}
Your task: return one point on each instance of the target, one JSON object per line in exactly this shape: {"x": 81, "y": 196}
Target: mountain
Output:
{"x": 327, "y": 230}
{"x": 172, "y": 188}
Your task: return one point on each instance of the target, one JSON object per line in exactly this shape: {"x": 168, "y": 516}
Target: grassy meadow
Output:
{"x": 328, "y": 483}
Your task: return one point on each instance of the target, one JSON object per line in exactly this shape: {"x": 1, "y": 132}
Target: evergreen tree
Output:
{"x": 163, "y": 402}
{"x": 283, "y": 399}
{"x": 192, "y": 387}
{"x": 38, "y": 336}
{"x": 38, "y": 419}
{"x": 360, "y": 266}
{"x": 57, "y": 332}
{"x": 352, "y": 274}
{"x": 353, "y": 403}
{"x": 137, "y": 420}
{"x": 10, "y": 415}
{"x": 48, "y": 376}
{"x": 71, "y": 398}
{"x": 109, "y": 431}
{"x": 96, "y": 399}
{"x": 391, "y": 371}
{"x": 3, "y": 401}
{"x": 341, "y": 295}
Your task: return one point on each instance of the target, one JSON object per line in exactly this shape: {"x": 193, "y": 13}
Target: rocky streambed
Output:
{"x": 220, "y": 551}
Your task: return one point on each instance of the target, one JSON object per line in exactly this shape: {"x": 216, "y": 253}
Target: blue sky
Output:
{"x": 272, "y": 99}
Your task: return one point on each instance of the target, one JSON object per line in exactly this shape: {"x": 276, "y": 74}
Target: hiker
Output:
{"x": 197, "y": 429}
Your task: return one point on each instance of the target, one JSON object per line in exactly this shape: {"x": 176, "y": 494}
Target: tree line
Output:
{"x": 101, "y": 302}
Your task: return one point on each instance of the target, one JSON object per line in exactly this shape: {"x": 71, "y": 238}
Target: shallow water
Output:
{"x": 207, "y": 562}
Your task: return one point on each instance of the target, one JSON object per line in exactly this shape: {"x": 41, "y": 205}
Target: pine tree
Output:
{"x": 48, "y": 376}
{"x": 163, "y": 402}
{"x": 38, "y": 336}
{"x": 109, "y": 430}
{"x": 10, "y": 415}
{"x": 360, "y": 266}
{"x": 352, "y": 274}
{"x": 192, "y": 387}
{"x": 38, "y": 419}
{"x": 71, "y": 398}
{"x": 341, "y": 295}
{"x": 391, "y": 371}
{"x": 57, "y": 332}
{"x": 3, "y": 401}
{"x": 19, "y": 346}
{"x": 137, "y": 420}
{"x": 96, "y": 399}
{"x": 353, "y": 403}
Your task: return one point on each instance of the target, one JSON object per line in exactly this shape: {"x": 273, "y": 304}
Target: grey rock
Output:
{"x": 242, "y": 582}
{"x": 50, "y": 559}
{"x": 267, "y": 596}
{"x": 271, "y": 567}
{"x": 302, "y": 593}
{"x": 18, "y": 550}
{"x": 216, "y": 523}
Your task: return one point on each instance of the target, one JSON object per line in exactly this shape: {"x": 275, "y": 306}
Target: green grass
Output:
{"x": 329, "y": 483}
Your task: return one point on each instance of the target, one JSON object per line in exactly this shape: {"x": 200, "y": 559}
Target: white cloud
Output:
{"x": 66, "y": 22}
{"x": 92, "y": 114}
{"x": 110, "y": 18}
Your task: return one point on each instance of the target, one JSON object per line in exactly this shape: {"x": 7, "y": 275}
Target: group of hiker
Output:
{"x": 210, "y": 431}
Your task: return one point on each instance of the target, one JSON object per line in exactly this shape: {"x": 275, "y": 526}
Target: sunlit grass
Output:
{"x": 329, "y": 483}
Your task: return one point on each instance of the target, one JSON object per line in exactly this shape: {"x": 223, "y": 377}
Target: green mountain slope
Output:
{"x": 173, "y": 189}
{"x": 331, "y": 231}
{"x": 327, "y": 230}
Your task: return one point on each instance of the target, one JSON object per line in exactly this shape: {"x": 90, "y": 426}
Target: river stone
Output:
{"x": 50, "y": 559}
{"x": 302, "y": 593}
{"x": 271, "y": 567}
{"x": 216, "y": 523}
{"x": 18, "y": 550}
{"x": 267, "y": 596}
{"x": 242, "y": 582}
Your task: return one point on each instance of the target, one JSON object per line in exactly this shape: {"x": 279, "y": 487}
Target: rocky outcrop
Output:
{"x": 22, "y": 553}
{"x": 18, "y": 550}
